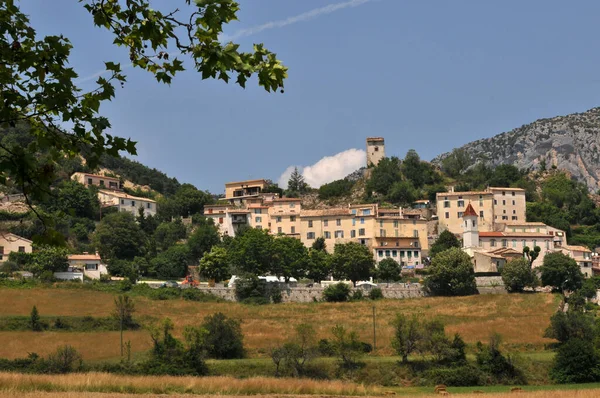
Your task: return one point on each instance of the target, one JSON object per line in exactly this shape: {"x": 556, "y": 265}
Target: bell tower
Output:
{"x": 375, "y": 150}
{"x": 470, "y": 229}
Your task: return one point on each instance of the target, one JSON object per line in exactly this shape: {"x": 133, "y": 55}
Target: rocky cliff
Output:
{"x": 570, "y": 143}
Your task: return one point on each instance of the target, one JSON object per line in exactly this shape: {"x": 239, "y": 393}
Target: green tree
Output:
{"x": 517, "y": 275}
{"x": 48, "y": 259}
{"x": 337, "y": 293}
{"x": 319, "y": 265}
{"x": 319, "y": 244}
{"x": 296, "y": 183}
{"x": 456, "y": 162}
{"x": 388, "y": 270}
{"x": 44, "y": 94}
{"x": 571, "y": 325}
{"x": 204, "y": 237}
{"x": 74, "y": 199}
{"x": 34, "y": 320}
{"x": 148, "y": 223}
{"x": 224, "y": 339}
{"x": 118, "y": 236}
{"x": 336, "y": 189}
{"x": 187, "y": 201}
{"x": 124, "y": 310}
{"x": 172, "y": 263}
{"x": 577, "y": 361}
{"x": 531, "y": 255}
{"x": 408, "y": 333}
{"x": 352, "y": 261}
{"x": 451, "y": 274}
{"x": 505, "y": 175}
{"x": 215, "y": 264}
{"x": 252, "y": 252}
{"x": 403, "y": 193}
{"x": 289, "y": 258}
{"x": 347, "y": 347}
{"x": 169, "y": 233}
{"x": 444, "y": 241}
{"x": 561, "y": 272}
{"x": 384, "y": 175}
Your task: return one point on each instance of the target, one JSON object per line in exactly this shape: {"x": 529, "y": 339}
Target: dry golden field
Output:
{"x": 520, "y": 319}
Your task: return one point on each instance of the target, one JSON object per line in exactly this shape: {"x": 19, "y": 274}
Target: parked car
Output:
{"x": 170, "y": 284}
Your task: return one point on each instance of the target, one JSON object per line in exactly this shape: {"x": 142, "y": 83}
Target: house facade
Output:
{"x": 90, "y": 265}
{"x": 10, "y": 242}
{"x": 125, "y": 202}
{"x": 582, "y": 255}
{"x": 97, "y": 180}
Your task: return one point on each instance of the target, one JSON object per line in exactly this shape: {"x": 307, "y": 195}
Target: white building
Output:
{"x": 12, "y": 243}
{"x": 125, "y": 202}
{"x": 90, "y": 265}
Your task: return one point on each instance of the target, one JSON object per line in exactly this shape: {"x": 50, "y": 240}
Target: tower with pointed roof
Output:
{"x": 470, "y": 229}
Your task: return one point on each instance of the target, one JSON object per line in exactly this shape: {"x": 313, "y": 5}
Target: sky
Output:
{"x": 425, "y": 75}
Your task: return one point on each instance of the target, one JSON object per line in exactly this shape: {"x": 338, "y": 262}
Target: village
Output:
{"x": 491, "y": 224}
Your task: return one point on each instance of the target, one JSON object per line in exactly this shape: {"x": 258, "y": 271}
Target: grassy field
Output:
{"x": 520, "y": 319}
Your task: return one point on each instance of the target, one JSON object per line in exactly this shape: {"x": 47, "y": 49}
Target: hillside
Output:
{"x": 570, "y": 143}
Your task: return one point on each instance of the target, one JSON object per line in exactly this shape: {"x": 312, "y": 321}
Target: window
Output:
{"x": 503, "y": 202}
{"x": 504, "y": 243}
{"x": 133, "y": 203}
{"x": 446, "y": 204}
{"x": 338, "y": 222}
{"x": 396, "y": 234}
{"x": 339, "y": 234}
{"x": 461, "y": 203}
{"x": 416, "y": 254}
{"x": 505, "y": 217}
{"x": 354, "y": 211}
{"x": 1, "y": 256}
{"x": 259, "y": 227}
{"x": 523, "y": 242}
{"x": 495, "y": 202}
{"x": 480, "y": 213}
{"x": 310, "y": 235}
{"x": 493, "y": 243}
{"x": 394, "y": 253}
{"x": 366, "y": 212}
{"x": 309, "y": 223}
{"x": 91, "y": 267}
{"x": 447, "y": 215}
{"x": 514, "y": 243}
{"x": 537, "y": 230}
{"x": 513, "y": 193}
{"x": 514, "y": 217}
{"x": 387, "y": 253}
{"x": 514, "y": 203}
{"x": 382, "y": 233}
{"x": 376, "y": 149}
{"x": 293, "y": 230}
{"x": 220, "y": 220}
{"x": 548, "y": 246}
{"x": 293, "y": 218}
{"x": 534, "y": 243}
{"x": 395, "y": 223}
{"x": 325, "y": 223}
{"x": 258, "y": 219}
{"x": 361, "y": 232}
{"x": 362, "y": 220}
{"x": 292, "y": 205}
{"x": 415, "y": 243}
{"x": 257, "y": 211}
{"x": 1, "y": 249}
{"x": 380, "y": 253}
{"x": 122, "y": 201}
{"x": 409, "y": 254}
{"x": 101, "y": 183}
{"x": 279, "y": 230}
{"x": 514, "y": 212}
{"x": 327, "y": 235}
{"x": 415, "y": 233}
{"x": 503, "y": 193}
{"x": 460, "y": 214}
{"x": 21, "y": 249}
{"x": 353, "y": 233}
{"x": 148, "y": 205}
{"x": 353, "y": 221}
{"x": 90, "y": 181}
{"x": 380, "y": 223}
{"x": 401, "y": 253}
{"x": 278, "y": 219}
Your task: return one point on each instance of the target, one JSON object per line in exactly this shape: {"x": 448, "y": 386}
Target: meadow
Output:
{"x": 520, "y": 318}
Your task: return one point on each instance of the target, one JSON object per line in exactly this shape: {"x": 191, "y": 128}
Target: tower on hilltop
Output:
{"x": 375, "y": 150}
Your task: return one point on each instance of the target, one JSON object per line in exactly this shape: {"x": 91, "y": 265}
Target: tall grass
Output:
{"x": 110, "y": 383}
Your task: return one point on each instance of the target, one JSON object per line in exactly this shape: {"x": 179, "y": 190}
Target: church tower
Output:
{"x": 470, "y": 230}
{"x": 375, "y": 150}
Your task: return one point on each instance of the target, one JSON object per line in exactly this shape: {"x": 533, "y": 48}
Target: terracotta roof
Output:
{"x": 514, "y": 235}
{"x": 505, "y": 189}
{"x": 326, "y": 212}
{"x": 524, "y": 223}
{"x": 506, "y": 250}
{"x": 576, "y": 248}
{"x": 94, "y": 175}
{"x": 287, "y": 200}
{"x": 487, "y": 254}
{"x": 247, "y": 182}
{"x": 258, "y": 207}
{"x": 469, "y": 211}
{"x": 396, "y": 248}
{"x": 123, "y": 195}
{"x": 84, "y": 257}
{"x": 222, "y": 205}
{"x": 462, "y": 193}
{"x": 491, "y": 234}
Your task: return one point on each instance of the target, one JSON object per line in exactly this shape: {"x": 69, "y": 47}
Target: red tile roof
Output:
{"x": 469, "y": 211}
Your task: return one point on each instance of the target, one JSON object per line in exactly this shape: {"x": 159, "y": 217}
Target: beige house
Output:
{"x": 237, "y": 192}
{"x": 517, "y": 241}
{"x": 101, "y": 181}
{"x": 335, "y": 225}
{"x": 559, "y": 236}
{"x": 404, "y": 250}
{"x": 125, "y": 202}
{"x": 285, "y": 216}
{"x": 218, "y": 214}
{"x": 13, "y": 243}
{"x": 582, "y": 255}
{"x": 396, "y": 223}
{"x": 494, "y": 205}
{"x": 90, "y": 265}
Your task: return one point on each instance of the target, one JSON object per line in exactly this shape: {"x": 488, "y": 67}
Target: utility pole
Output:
{"x": 121, "y": 316}
{"x": 374, "y": 334}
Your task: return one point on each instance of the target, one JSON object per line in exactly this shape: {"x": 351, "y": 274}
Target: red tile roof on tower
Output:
{"x": 469, "y": 211}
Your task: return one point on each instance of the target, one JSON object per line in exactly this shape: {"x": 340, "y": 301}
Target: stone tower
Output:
{"x": 470, "y": 230}
{"x": 375, "y": 150}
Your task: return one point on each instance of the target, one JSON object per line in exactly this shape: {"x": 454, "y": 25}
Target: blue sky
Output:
{"x": 428, "y": 75}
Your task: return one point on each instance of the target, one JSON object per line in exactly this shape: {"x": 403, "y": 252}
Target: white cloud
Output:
{"x": 329, "y": 168}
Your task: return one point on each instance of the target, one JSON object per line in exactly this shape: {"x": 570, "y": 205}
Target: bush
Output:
{"x": 460, "y": 376}
{"x": 65, "y": 359}
{"x": 357, "y": 295}
{"x": 451, "y": 274}
{"x": 276, "y": 296}
{"x": 499, "y": 367}
{"x": 337, "y": 293}
{"x": 376, "y": 294}
{"x": 200, "y": 296}
{"x": 517, "y": 275}
{"x": 561, "y": 272}
{"x": 326, "y": 348}
{"x": 249, "y": 286}
{"x": 224, "y": 339}
{"x": 576, "y": 362}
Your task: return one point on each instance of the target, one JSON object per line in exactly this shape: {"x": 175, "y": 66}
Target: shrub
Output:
{"x": 65, "y": 359}
{"x": 224, "y": 339}
{"x": 276, "y": 296}
{"x": 561, "y": 272}
{"x": 247, "y": 286}
{"x": 357, "y": 295}
{"x": 34, "y": 320}
{"x": 499, "y": 367}
{"x": 451, "y": 274}
{"x": 376, "y": 294}
{"x": 388, "y": 270}
{"x": 326, "y": 348}
{"x": 517, "y": 275}
{"x": 200, "y": 296}
{"x": 337, "y": 293}
{"x": 576, "y": 361}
